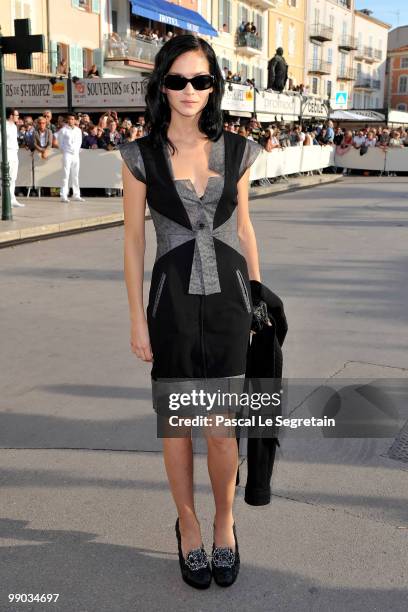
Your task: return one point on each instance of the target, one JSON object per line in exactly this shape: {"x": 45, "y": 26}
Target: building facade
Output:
{"x": 330, "y": 43}
{"x": 242, "y": 52}
{"x": 71, "y": 29}
{"x": 369, "y": 60}
{"x": 396, "y": 92}
{"x": 397, "y": 79}
{"x": 22, "y": 10}
{"x": 127, "y": 50}
{"x": 287, "y": 30}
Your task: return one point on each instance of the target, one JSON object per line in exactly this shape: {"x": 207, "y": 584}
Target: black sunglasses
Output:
{"x": 178, "y": 82}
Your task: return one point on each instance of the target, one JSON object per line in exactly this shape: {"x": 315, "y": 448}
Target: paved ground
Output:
{"x": 47, "y": 216}
{"x": 85, "y": 509}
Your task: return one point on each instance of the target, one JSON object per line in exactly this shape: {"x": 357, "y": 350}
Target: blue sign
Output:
{"x": 341, "y": 98}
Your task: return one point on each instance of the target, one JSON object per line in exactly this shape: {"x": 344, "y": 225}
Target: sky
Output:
{"x": 387, "y": 11}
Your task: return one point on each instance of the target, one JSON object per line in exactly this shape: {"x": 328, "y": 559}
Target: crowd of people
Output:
{"x": 108, "y": 131}
{"x": 362, "y": 139}
{"x": 322, "y": 133}
{"x": 69, "y": 133}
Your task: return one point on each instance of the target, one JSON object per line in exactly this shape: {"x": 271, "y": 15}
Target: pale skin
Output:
{"x": 190, "y": 159}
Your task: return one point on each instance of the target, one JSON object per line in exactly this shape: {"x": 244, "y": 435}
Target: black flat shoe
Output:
{"x": 225, "y": 563}
{"x": 195, "y": 568}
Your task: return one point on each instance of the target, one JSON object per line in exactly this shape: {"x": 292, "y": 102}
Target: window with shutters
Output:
{"x": 330, "y": 55}
{"x": 279, "y": 33}
{"x": 87, "y": 60}
{"x": 291, "y": 39}
{"x": 243, "y": 70}
{"x": 403, "y": 84}
{"x": 98, "y": 60}
{"x": 58, "y": 52}
{"x": 84, "y": 4}
{"x": 76, "y": 61}
{"x": 315, "y": 85}
{"x": 360, "y": 41}
{"x": 243, "y": 14}
{"x": 258, "y": 23}
{"x": 224, "y": 15}
{"x": 22, "y": 9}
{"x": 404, "y": 62}
{"x": 258, "y": 75}
{"x": 93, "y": 6}
{"x": 328, "y": 89}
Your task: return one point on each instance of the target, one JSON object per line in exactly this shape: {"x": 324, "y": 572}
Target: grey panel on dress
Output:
{"x": 132, "y": 156}
{"x": 251, "y": 152}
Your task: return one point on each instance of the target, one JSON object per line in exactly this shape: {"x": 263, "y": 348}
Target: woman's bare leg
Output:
{"x": 178, "y": 460}
{"x": 222, "y": 461}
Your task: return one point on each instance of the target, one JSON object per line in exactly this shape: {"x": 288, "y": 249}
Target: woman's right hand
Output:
{"x": 140, "y": 341}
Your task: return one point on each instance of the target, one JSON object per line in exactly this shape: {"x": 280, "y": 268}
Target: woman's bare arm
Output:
{"x": 245, "y": 229}
{"x": 134, "y": 205}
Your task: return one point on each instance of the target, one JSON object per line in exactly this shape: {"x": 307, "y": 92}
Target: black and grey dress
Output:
{"x": 199, "y": 311}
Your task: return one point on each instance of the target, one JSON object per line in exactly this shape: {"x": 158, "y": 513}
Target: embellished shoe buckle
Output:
{"x": 223, "y": 557}
{"x": 197, "y": 559}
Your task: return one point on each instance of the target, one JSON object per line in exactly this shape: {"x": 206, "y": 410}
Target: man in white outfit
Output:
{"x": 12, "y": 115}
{"x": 69, "y": 141}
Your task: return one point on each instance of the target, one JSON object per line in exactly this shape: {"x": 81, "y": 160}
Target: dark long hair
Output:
{"x": 158, "y": 112}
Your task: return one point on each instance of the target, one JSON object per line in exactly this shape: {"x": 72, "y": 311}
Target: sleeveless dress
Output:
{"x": 199, "y": 312}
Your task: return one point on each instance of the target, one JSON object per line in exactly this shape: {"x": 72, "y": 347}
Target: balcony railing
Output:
{"x": 376, "y": 84}
{"x": 320, "y": 67}
{"x": 378, "y": 54}
{"x": 321, "y": 32}
{"x": 42, "y": 63}
{"x": 348, "y": 42}
{"x": 121, "y": 46}
{"x": 369, "y": 53}
{"x": 346, "y": 74}
{"x": 247, "y": 39}
{"x": 363, "y": 82}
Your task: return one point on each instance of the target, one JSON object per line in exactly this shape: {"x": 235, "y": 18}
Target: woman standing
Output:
{"x": 195, "y": 178}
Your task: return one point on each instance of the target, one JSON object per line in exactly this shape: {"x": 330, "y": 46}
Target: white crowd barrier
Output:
{"x": 25, "y": 168}
{"x": 291, "y": 160}
{"x": 383, "y": 160}
{"x": 374, "y": 159}
{"x": 100, "y": 168}
{"x": 97, "y": 168}
{"x": 396, "y": 160}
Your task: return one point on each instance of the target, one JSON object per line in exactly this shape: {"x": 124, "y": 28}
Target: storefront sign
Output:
{"x": 238, "y": 98}
{"x": 315, "y": 107}
{"x": 36, "y": 93}
{"x": 112, "y": 92}
{"x": 278, "y": 104}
